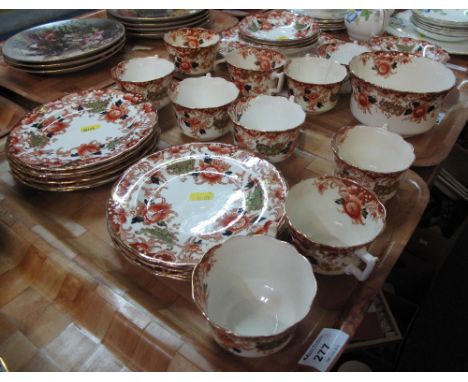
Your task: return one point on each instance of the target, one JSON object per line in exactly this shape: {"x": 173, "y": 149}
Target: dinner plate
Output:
{"x": 177, "y": 203}
{"x": 401, "y": 26}
{"x": 63, "y": 40}
{"x": 81, "y": 130}
{"x": 278, "y": 25}
{"x": 166, "y": 25}
{"x": 457, "y": 18}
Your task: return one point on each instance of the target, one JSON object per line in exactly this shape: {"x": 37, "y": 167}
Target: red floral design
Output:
{"x": 88, "y": 149}
{"x": 116, "y": 112}
{"x": 233, "y": 222}
{"x": 157, "y": 212}
{"x": 213, "y": 171}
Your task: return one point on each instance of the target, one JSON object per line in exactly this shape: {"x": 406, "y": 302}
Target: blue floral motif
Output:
{"x": 351, "y": 16}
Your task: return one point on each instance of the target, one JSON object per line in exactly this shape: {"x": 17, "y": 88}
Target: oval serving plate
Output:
{"x": 172, "y": 206}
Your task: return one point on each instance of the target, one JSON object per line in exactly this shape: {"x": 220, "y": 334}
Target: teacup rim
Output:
{"x": 333, "y": 247}
{"x": 124, "y": 62}
{"x": 332, "y": 62}
{"x": 231, "y": 114}
{"x": 209, "y": 253}
{"x": 177, "y": 83}
{"x": 334, "y": 146}
{"x": 406, "y": 92}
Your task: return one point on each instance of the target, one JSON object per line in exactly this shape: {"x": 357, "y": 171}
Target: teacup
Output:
{"x": 372, "y": 156}
{"x": 254, "y": 291}
{"x": 256, "y": 71}
{"x": 362, "y": 24}
{"x": 267, "y": 125}
{"x": 315, "y": 82}
{"x": 332, "y": 221}
{"x": 193, "y": 50}
{"x": 148, "y": 76}
{"x": 201, "y": 106}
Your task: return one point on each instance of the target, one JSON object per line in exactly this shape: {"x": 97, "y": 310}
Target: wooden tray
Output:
{"x": 10, "y": 113}
{"x": 58, "y": 252}
{"x": 50, "y": 87}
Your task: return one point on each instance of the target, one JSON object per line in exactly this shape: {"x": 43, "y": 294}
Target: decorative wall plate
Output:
{"x": 63, "y": 40}
{"x": 173, "y": 205}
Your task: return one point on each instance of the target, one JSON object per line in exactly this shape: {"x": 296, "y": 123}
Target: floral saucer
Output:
{"x": 174, "y": 205}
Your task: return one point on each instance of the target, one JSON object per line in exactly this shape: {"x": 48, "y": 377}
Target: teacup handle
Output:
{"x": 220, "y": 61}
{"x": 370, "y": 262}
{"x": 280, "y": 83}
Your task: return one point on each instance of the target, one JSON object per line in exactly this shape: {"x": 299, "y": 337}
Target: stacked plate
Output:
{"x": 154, "y": 23}
{"x": 167, "y": 210}
{"x": 442, "y": 24}
{"x": 81, "y": 141}
{"x": 279, "y": 28}
{"x": 328, "y": 19}
{"x": 64, "y": 46}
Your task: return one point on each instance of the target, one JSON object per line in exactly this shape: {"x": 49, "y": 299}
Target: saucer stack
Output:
{"x": 279, "y": 29}
{"x": 170, "y": 208}
{"x": 64, "y": 46}
{"x": 81, "y": 141}
{"x": 328, "y": 19}
{"x": 154, "y": 23}
{"x": 442, "y": 24}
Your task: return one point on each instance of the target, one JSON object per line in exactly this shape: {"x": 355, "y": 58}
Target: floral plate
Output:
{"x": 174, "y": 205}
{"x": 81, "y": 129}
{"x": 63, "y": 40}
{"x": 155, "y": 15}
{"x": 401, "y": 26}
{"x": 277, "y": 26}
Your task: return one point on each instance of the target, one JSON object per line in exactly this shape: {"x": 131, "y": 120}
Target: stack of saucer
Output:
{"x": 279, "y": 28}
{"x": 328, "y": 19}
{"x": 64, "y": 46}
{"x": 171, "y": 207}
{"x": 449, "y": 25}
{"x": 81, "y": 141}
{"x": 154, "y": 23}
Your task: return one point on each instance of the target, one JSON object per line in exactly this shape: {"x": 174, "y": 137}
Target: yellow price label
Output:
{"x": 197, "y": 196}
{"x": 280, "y": 38}
{"x": 85, "y": 129}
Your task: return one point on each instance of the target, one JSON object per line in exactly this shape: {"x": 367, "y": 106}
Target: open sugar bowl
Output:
{"x": 148, "y": 76}
{"x": 315, "y": 82}
{"x": 372, "y": 156}
{"x": 255, "y": 70}
{"x": 399, "y": 89}
{"x": 201, "y": 106}
{"x": 267, "y": 125}
{"x": 332, "y": 221}
{"x": 193, "y": 50}
{"x": 254, "y": 291}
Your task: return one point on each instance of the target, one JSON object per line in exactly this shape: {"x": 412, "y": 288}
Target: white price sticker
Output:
{"x": 323, "y": 351}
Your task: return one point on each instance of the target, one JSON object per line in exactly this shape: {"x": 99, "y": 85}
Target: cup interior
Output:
{"x": 315, "y": 70}
{"x": 374, "y": 149}
{"x": 191, "y": 38}
{"x": 268, "y": 113}
{"x": 335, "y": 212}
{"x": 258, "y": 286}
{"x": 255, "y": 59}
{"x": 204, "y": 92}
{"x": 343, "y": 53}
{"x": 145, "y": 69}
{"x": 402, "y": 72}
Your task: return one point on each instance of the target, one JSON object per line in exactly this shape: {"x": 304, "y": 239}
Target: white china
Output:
{"x": 398, "y": 89}
{"x": 315, "y": 82}
{"x": 372, "y": 156}
{"x": 333, "y": 220}
{"x": 254, "y": 291}
{"x": 201, "y": 105}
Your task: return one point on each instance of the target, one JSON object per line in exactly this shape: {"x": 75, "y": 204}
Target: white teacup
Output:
{"x": 333, "y": 221}
{"x": 147, "y": 76}
{"x": 373, "y": 157}
{"x": 201, "y": 106}
{"x": 315, "y": 82}
{"x": 268, "y": 125}
{"x": 253, "y": 290}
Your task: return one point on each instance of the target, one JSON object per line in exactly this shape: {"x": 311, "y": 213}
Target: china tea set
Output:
{"x": 211, "y": 211}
